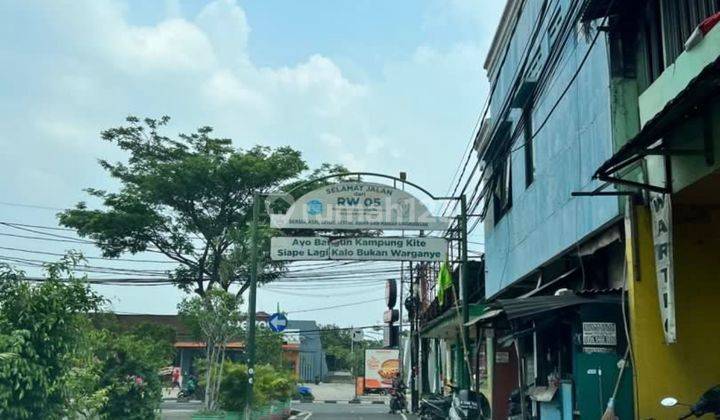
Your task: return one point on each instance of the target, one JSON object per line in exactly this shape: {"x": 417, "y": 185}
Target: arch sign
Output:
{"x": 359, "y": 206}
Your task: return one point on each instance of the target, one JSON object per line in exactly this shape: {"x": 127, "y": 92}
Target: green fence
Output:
{"x": 275, "y": 411}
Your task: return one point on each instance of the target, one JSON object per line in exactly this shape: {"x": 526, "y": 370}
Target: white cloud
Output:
{"x": 225, "y": 23}
{"x": 224, "y": 88}
{"x": 173, "y": 45}
{"x": 80, "y": 67}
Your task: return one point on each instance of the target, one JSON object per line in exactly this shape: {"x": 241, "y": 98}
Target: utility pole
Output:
{"x": 412, "y": 315}
{"x": 251, "y": 303}
{"x": 464, "y": 292}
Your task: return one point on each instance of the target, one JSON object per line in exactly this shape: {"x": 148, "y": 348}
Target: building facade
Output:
{"x": 599, "y": 184}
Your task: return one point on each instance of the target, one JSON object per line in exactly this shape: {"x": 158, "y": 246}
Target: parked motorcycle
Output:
{"x": 709, "y": 403}
{"x": 188, "y": 390}
{"x": 463, "y": 404}
{"x": 435, "y": 407}
{"x": 469, "y": 405}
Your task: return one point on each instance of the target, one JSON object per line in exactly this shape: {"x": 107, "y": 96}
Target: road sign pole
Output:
{"x": 251, "y": 303}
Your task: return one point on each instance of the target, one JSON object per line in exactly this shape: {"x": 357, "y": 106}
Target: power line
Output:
{"x": 525, "y": 54}
{"x": 32, "y": 206}
{"x": 58, "y": 254}
{"x": 335, "y": 306}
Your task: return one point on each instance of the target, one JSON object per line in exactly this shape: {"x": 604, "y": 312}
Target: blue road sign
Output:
{"x": 277, "y": 322}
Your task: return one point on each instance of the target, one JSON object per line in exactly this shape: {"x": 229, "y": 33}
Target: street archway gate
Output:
{"x": 355, "y": 206}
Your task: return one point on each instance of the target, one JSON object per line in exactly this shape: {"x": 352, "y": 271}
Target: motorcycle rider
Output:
{"x": 397, "y": 400}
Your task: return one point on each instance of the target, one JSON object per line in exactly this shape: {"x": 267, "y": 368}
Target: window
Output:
{"x": 664, "y": 26}
{"x": 529, "y": 146}
{"x": 502, "y": 191}
{"x": 679, "y": 19}
{"x": 651, "y": 50}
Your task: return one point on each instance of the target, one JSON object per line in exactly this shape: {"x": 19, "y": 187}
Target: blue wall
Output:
{"x": 312, "y": 356}
{"x": 544, "y": 218}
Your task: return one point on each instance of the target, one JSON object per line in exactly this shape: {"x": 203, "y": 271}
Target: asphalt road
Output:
{"x": 171, "y": 410}
{"x": 347, "y": 411}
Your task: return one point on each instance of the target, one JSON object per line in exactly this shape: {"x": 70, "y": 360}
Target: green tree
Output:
{"x": 189, "y": 198}
{"x": 269, "y": 349}
{"x": 216, "y": 319}
{"x": 129, "y": 372}
{"x": 115, "y": 373}
{"x": 336, "y": 342}
{"x": 39, "y": 324}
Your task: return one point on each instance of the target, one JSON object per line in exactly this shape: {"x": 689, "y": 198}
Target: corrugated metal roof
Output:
{"x": 539, "y": 305}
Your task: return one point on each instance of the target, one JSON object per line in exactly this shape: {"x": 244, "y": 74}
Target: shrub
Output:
{"x": 270, "y": 385}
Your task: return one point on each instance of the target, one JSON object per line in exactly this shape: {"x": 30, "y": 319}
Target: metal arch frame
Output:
{"x": 252, "y": 295}
{"x": 379, "y": 175}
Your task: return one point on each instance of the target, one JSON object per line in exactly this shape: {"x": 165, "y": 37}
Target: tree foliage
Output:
{"x": 269, "y": 348}
{"x": 271, "y": 385}
{"x": 337, "y": 345}
{"x": 129, "y": 374}
{"x": 39, "y": 325}
{"x": 189, "y": 198}
{"x": 59, "y": 364}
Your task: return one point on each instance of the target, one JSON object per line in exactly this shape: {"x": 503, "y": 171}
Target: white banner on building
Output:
{"x": 661, "y": 216}
{"x": 364, "y": 248}
{"x": 358, "y": 205}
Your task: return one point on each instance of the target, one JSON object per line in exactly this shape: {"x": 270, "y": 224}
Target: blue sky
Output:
{"x": 383, "y": 86}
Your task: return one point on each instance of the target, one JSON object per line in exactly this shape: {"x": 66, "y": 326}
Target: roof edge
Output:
{"x": 502, "y": 34}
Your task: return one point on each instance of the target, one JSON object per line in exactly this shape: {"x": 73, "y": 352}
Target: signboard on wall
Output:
{"x": 381, "y": 366}
{"x": 291, "y": 336}
{"x": 358, "y": 205}
{"x": 599, "y": 334}
{"x": 364, "y": 248}
{"x": 661, "y": 217}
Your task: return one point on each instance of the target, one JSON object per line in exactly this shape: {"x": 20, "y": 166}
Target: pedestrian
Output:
{"x": 175, "y": 378}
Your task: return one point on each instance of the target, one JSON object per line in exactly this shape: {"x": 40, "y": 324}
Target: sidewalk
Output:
{"x": 340, "y": 393}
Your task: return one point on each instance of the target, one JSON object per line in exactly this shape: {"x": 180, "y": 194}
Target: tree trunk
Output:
{"x": 208, "y": 374}
{"x": 220, "y": 371}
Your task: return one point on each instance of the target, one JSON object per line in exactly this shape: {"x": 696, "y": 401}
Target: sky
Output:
{"x": 383, "y": 86}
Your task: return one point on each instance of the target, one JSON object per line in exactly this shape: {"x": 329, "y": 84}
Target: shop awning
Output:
{"x": 487, "y": 315}
{"x": 444, "y": 326}
{"x": 533, "y": 307}
{"x": 689, "y": 101}
{"x": 448, "y": 324}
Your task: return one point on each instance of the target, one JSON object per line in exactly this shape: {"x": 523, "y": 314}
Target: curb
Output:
{"x": 339, "y": 402}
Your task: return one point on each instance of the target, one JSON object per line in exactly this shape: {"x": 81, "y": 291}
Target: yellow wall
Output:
{"x": 690, "y": 366}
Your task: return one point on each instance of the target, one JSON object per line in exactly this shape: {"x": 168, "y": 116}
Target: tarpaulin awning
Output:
{"x": 536, "y": 306}
{"x": 699, "y": 90}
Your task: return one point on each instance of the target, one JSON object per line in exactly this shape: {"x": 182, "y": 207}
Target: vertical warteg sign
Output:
{"x": 661, "y": 216}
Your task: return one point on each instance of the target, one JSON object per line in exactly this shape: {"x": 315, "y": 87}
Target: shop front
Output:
{"x": 558, "y": 356}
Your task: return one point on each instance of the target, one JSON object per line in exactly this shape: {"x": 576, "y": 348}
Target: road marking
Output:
{"x": 304, "y": 413}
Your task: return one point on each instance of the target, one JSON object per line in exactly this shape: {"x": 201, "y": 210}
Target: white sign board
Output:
{"x": 358, "y": 335}
{"x": 361, "y": 248}
{"x": 599, "y": 334}
{"x": 358, "y": 205}
{"x": 502, "y": 357}
{"x": 661, "y": 215}
{"x": 381, "y": 366}
{"x": 291, "y": 336}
